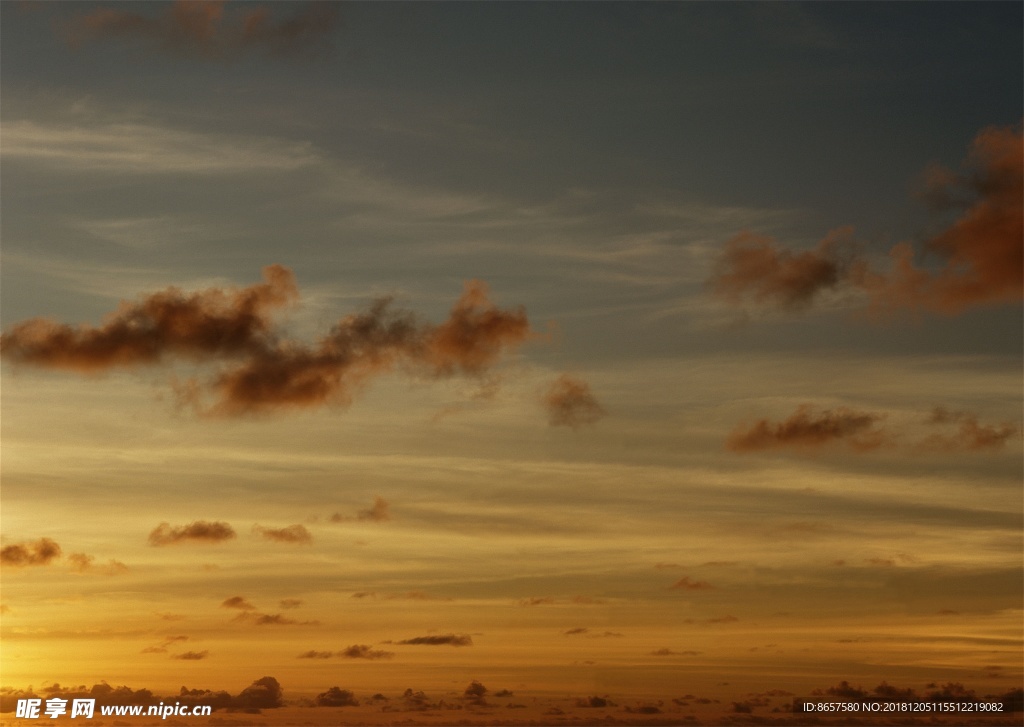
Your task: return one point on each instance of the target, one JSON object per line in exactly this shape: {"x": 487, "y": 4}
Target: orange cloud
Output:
{"x": 807, "y": 429}
{"x": 200, "y": 531}
{"x": 290, "y": 603}
{"x": 570, "y": 403}
{"x": 755, "y": 265}
{"x": 980, "y": 253}
{"x": 40, "y": 552}
{"x": 291, "y": 534}
{"x": 982, "y": 250}
{"x": 201, "y": 29}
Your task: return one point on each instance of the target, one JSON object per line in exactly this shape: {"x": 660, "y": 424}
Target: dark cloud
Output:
{"x": 212, "y": 30}
{"x": 980, "y": 254}
{"x": 595, "y": 702}
{"x": 167, "y": 324}
{"x": 688, "y": 584}
{"x": 807, "y": 429}
{"x": 261, "y": 372}
{"x": 263, "y": 693}
{"x": 362, "y": 651}
{"x": 570, "y": 403}
{"x": 295, "y": 534}
{"x": 670, "y": 652}
{"x": 39, "y": 552}
{"x": 199, "y": 531}
{"x": 316, "y": 655}
{"x": 238, "y": 602}
{"x": 272, "y": 619}
{"x": 755, "y": 265}
{"x": 440, "y": 640}
{"x": 575, "y": 631}
{"x": 337, "y": 697}
{"x": 192, "y": 655}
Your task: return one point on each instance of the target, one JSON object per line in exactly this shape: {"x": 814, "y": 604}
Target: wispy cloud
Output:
{"x": 148, "y": 149}
{"x": 84, "y": 563}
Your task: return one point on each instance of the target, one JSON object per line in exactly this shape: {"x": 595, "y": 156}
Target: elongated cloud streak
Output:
{"x": 200, "y": 531}
{"x": 440, "y": 640}
{"x": 806, "y": 428}
{"x": 261, "y": 373}
{"x": 570, "y": 403}
{"x": 40, "y": 552}
{"x": 970, "y": 435}
{"x": 201, "y": 29}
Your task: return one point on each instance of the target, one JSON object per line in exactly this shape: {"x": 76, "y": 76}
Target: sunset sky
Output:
{"x": 637, "y": 351}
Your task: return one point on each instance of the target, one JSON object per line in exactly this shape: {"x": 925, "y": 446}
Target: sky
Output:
{"x": 639, "y": 361}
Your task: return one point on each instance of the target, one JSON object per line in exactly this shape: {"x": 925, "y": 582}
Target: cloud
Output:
{"x": 982, "y": 250}
{"x": 337, "y": 697}
{"x": 722, "y": 620}
{"x": 808, "y": 429}
{"x": 39, "y": 552}
{"x": 537, "y": 601}
{"x": 687, "y": 584}
{"x": 570, "y": 403}
{"x": 290, "y": 603}
{"x": 239, "y": 603}
{"x": 970, "y": 436}
{"x": 260, "y": 370}
{"x": 670, "y": 652}
{"x": 83, "y": 563}
{"x": 575, "y": 631}
{"x": 192, "y": 655}
{"x": 440, "y": 640}
{"x": 263, "y": 693}
{"x": 273, "y": 619}
{"x": 379, "y": 512}
{"x": 755, "y": 265}
{"x": 202, "y": 29}
{"x": 297, "y": 534}
{"x": 199, "y": 531}
{"x": 169, "y": 323}
{"x": 362, "y": 651}
{"x": 980, "y": 254}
